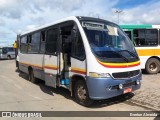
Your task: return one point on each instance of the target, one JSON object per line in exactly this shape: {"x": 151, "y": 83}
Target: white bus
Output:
{"x": 147, "y": 42}
{"x": 90, "y": 57}
{"x": 7, "y": 53}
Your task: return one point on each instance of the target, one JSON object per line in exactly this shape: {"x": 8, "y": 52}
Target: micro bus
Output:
{"x": 7, "y": 53}
{"x": 91, "y": 57}
{"x": 147, "y": 43}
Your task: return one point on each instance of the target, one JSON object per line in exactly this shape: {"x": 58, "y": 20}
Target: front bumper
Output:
{"x": 104, "y": 88}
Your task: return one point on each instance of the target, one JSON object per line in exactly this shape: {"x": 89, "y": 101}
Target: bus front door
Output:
{"x": 64, "y": 61}
{"x": 50, "y": 58}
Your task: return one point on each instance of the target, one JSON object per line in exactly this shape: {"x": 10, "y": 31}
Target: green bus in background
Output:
{"x": 147, "y": 43}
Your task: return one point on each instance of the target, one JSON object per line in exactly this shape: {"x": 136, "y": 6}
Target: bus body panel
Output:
{"x": 35, "y": 61}
{"x": 146, "y": 53}
{"x": 94, "y": 66}
{"x": 78, "y": 67}
{"x": 103, "y": 88}
{"x": 50, "y": 69}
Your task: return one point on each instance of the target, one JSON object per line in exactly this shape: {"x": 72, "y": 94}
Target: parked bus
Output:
{"x": 91, "y": 57}
{"x": 147, "y": 42}
{"x": 7, "y": 53}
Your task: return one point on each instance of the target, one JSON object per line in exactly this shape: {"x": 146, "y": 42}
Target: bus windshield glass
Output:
{"x": 109, "y": 43}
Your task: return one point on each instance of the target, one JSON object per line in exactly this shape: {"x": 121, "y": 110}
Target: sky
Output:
{"x": 21, "y": 15}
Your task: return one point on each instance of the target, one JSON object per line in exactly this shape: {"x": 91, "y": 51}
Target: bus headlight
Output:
{"x": 99, "y": 75}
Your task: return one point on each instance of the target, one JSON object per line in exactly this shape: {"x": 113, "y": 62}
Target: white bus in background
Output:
{"x": 147, "y": 43}
{"x": 7, "y": 53}
{"x": 90, "y": 57}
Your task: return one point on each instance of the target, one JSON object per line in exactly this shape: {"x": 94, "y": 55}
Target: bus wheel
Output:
{"x": 81, "y": 94}
{"x": 8, "y": 57}
{"x": 153, "y": 66}
{"x": 31, "y": 76}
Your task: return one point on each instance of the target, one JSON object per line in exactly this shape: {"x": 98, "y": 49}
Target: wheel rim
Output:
{"x": 153, "y": 67}
{"x": 81, "y": 92}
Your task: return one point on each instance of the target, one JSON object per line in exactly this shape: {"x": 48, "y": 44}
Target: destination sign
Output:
{"x": 93, "y": 25}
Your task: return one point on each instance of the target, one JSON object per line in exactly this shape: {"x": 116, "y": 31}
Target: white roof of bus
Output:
{"x": 155, "y": 26}
{"x": 50, "y": 24}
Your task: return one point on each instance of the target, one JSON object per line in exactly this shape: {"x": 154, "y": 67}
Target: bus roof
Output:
{"x": 63, "y": 20}
{"x": 139, "y": 26}
{"x": 48, "y": 25}
{"x": 136, "y": 26}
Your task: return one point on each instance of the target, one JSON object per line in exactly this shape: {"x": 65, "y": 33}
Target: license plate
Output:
{"x": 127, "y": 90}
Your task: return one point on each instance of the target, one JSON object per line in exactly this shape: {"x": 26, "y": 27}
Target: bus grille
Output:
{"x": 128, "y": 74}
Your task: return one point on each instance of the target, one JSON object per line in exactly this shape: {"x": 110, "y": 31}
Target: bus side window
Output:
{"x": 51, "y": 41}
{"x": 10, "y": 49}
{"x": 43, "y": 42}
{"x": 4, "y": 51}
{"x": 34, "y": 41}
{"x": 78, "y": 48}
{"x": 151, "y": 37}
{"x": 146, "y": 37}
{"x": 23, "y": 44}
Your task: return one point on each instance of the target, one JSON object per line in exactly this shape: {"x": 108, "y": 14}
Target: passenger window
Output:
{"x": 51, "y": 41}
{"x": 145, "y": 37}
{"x": 78, "y": 48}
{"x": 24, "y": 39}
{"x": 43, "y": 43}
{"x": 10, "y": 49}
{"x": 4, "y": 51}
{"x": 24, "y": 44}
{"x": 34, "y": 43}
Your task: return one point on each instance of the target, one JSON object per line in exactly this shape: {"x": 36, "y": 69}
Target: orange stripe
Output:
{"x": 108, "y": 66}
{"x": 78, "y": 70}
{"x": 40, "y": 67}
{"x": 148, "y": 52}
{"x": 119, "y": 65}
{"x": 36, "y": 66}
{"x": 51, "y": 67}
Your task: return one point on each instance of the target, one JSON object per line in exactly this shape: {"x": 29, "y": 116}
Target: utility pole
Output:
{"x": 118, "y": 12}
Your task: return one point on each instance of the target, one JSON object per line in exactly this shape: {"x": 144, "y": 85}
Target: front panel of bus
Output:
{"x": 113, "y": 66}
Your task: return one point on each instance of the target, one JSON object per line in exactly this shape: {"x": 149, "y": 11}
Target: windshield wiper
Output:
{"x": 127, "y": 60}
{"x": 129, "y": 53}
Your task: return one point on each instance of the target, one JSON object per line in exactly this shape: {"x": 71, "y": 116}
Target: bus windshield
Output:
{"x": 109, "y": 43}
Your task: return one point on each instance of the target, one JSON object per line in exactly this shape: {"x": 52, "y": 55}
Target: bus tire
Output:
{"x": 81, "y": 94}
{"x": 31, "y": 76}
{"x": 153, "y": 66}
